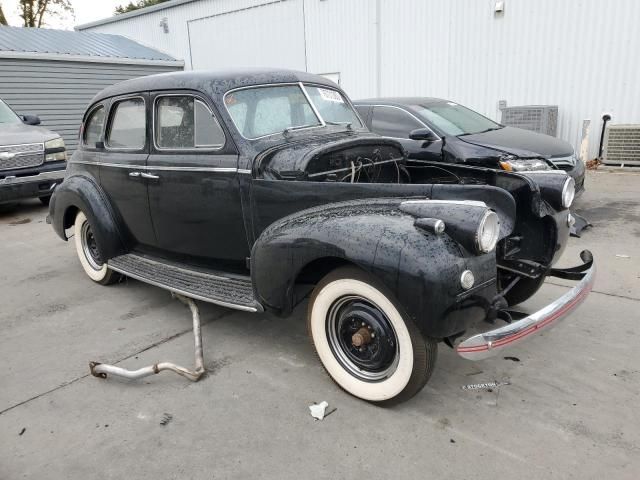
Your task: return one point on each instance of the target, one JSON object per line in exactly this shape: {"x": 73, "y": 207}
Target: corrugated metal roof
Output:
{"x": 77, "y": 44}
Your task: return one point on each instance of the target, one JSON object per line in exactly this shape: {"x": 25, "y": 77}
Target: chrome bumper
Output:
{"x": 493, "y": 342}
{"x": 40, "y": 177}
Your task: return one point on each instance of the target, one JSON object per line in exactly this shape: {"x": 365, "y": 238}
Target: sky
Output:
{"x": 85, "y": 11}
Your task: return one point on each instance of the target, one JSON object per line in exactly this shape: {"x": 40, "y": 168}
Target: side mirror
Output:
{"x": 422, "y": 134}
{"x": 31, "y": 119}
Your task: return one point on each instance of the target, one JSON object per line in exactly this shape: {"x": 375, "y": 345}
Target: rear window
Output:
{"x": 128, "y": 125}
{"x": 93, "y": 127}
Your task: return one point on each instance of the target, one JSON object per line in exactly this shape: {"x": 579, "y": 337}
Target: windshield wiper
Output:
{"x": 490, "y": 129}
{"x": 288, "y": 130}
{"x": 346, "y": 124}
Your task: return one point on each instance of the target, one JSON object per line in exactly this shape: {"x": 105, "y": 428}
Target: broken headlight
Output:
{"x": 513, "y": 164}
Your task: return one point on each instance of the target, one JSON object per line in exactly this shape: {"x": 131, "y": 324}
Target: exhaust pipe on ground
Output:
{"x": 101, "y": 370}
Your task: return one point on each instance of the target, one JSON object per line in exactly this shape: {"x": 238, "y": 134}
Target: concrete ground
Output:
{"x": 570, "y": 409}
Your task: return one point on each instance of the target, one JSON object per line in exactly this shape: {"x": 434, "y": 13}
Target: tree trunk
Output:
{"x": 3, "y": 19}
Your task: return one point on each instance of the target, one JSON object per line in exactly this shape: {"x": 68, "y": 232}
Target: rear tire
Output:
{"x": 366, "y": 342}
{"x": 89, "y": 255}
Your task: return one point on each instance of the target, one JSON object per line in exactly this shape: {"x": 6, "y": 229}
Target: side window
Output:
{"x": 128, "y": 125}
{"x": 184, "y": 122}
{"x": 93, "y": 127}
{"x": 393, "y": 122}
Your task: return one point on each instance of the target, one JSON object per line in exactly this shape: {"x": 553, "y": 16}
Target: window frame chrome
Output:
{"x": 301, "y": 85}
{"x": 88, "y": 116}
{"x": 112, "y": 111}
{"x": 195, "y": 149}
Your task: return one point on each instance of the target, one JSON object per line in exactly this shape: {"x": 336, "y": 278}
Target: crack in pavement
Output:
{"x": 149, "y": 347}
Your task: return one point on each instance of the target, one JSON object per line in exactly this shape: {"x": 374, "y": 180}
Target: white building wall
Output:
{"x": 581, "y": 55}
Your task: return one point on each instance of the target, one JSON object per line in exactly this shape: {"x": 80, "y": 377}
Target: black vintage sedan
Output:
{"x": 257, "y": 189}
{"x": 440, "y": 130}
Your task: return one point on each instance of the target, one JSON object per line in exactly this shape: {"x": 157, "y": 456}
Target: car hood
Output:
{"x": 20, "y": 133}
{"x": 520, "y": 142}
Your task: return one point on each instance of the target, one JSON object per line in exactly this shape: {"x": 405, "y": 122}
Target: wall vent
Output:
{"x": 537, "y": 118}
{"x": 621, "y": 145}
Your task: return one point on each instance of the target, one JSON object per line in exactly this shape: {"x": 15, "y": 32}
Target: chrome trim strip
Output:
{"x": 484, "y": 345}
{"x": 182, "y": 292}
{"x": 543, "y": 172}
{"x": 242, "y": 170}
{"x": 313, "y": 106}
{"x": 41, "y": 144}
{"x": 474, "y": 203}
{"x": 161, "y": 167}
{"x": 12, "y": 180}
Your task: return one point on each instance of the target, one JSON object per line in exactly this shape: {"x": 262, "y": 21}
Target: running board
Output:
{"x": 232, "y": 292}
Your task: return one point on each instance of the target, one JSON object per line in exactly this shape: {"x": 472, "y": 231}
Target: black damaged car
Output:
{"x": 436, "y": 129}
{"x": 255, "y": 189}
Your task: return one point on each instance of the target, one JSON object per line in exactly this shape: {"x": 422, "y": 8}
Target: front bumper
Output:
{"x": 13, "y": 188}
{"x": 493, "y": 342}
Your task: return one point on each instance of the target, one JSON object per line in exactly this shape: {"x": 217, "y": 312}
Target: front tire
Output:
{"x": 89, "y": 255}
{"x": 366, "y": 342}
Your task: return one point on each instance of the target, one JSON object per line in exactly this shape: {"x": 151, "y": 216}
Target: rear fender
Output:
{"x": 79, "y": 192}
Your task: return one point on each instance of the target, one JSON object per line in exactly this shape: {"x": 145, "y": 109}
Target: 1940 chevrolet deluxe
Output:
{"x": 253, "y": 189}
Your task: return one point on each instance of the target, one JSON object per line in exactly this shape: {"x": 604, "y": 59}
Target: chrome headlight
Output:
{"x": 512, "y": 164}
{"x": 55, "y": 150}
{"x": 568, "y": 192}
{"x": 488, "y": 232}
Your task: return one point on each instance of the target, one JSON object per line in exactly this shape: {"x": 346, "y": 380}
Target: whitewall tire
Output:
{"x": 88, "y": 253}
{"x": 365, "y": 341}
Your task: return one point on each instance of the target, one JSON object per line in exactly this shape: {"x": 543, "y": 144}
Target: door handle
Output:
{"x": 149, "y": 176}
{"x": 134, "y": 174}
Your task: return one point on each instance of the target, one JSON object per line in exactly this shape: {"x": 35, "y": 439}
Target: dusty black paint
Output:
{"x": 287, "y": 219}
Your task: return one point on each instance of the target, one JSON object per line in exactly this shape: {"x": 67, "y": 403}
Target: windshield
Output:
{"x": 7, "y": 115}
{"x": 453, "y": 119}
{"x": 261, "y": 111}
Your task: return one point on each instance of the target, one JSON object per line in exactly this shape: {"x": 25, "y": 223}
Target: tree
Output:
{"x": 131, "y": 6}
{"x": 34, "y": 12}
{"x": 3, "y": 19}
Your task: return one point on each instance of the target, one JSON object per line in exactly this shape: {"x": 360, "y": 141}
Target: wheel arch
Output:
{"x": 81, "y": 193}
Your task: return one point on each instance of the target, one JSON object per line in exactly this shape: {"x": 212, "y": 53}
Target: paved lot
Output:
{"x": 570, "y": 411}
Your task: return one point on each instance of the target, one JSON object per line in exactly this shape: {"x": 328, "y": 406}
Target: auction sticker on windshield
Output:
{"x": 330, "y": 95}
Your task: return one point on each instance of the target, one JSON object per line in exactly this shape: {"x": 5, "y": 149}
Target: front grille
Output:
{"x": 21, "y": 156}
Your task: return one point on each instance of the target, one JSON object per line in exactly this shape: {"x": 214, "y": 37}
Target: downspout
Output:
{"x": 378, "y": 51}
{"x": 605, "y": 119}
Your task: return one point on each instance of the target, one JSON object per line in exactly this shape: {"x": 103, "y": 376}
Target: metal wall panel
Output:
{"x": 60, "y": 91}
{"x": 578, "y": 54}
{"x": 267, "y": 35}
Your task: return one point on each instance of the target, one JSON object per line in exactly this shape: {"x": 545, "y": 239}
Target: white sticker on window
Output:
{"x": 330, "y": 95}
{"x": 452, "y": 104}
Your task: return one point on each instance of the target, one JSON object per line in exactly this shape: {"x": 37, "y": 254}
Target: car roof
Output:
{"x": 213, "y": 82}
{"x": 400, "y": 101}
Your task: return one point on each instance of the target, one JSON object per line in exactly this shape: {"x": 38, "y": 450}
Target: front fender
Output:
{"x": 79, "y": 192}
{"x": 421, "y": 269}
